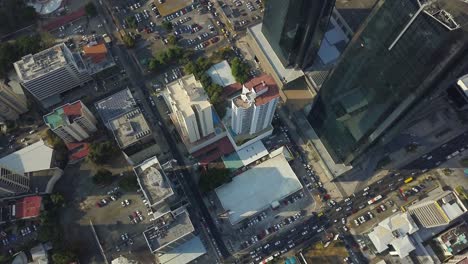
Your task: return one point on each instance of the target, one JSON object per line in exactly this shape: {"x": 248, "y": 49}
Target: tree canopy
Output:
{"x": 90, "y": 9}
{"x": 167, "y": 25}
{"x": 240, "y": 70}
{"x": 128, "y": 183}
{"x": 13, "y": 50}
{"x": 128, "y": 41}
{"x": 103, "y": 177}
{"x": 15, "y": 14}
{"x": 172, "y": 55}
{"x": 101, "y": 152}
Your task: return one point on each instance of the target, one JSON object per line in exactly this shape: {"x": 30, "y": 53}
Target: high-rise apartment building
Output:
{"x": 51, "y": 72}
{"x": 191, "y": 109}
{"x": 71, "y": 122}
{"x": 12, "y": 102}
{"x": 295, "y": 28}
{"x": 440, "y": 208}
{"x": 12, "y": 182}
{"x": 254, "y": 108}
{"x": 400, "y": 53}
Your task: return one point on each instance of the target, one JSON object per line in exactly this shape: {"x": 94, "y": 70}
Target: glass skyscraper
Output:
{"x": 397, "y": 55}
{"x": 295, "y": 28}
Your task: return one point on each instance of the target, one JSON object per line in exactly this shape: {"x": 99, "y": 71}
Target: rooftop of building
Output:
{"x": 97, "y": 53}
{"x": 264, "y": 87}
{"x": 63, "y": 115}
{"x": 447, "y": 201}
{"x": 355, "y": 12}
{"x": 35, "y": 157}
{"x": 168, "y": 228}
{"x": 221, "y": 74}
{"x": 77, "y": 151}
{"x": 185, "y": 253}
{"x": 394, "y": 231}
{"x": 28, "y": 207}
{"x": 115, "y": 105}
{"x": 153, "y": 181}
{"x": 455, "y": 240}
{"x": 250, "y": 192}
{"x": 123, "y": 260}
{"x": 285, "y": 74}
{"x": 186, "y": 93}
{"x": 34, "y": 65}
{"x": 129, "y": 128}
{"x": 332, "y": 46}
{"x": 97, "y": 58}
{"x": 214, "y": 151}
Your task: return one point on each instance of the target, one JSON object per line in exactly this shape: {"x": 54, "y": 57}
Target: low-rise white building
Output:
{"x": 395, "y": 231}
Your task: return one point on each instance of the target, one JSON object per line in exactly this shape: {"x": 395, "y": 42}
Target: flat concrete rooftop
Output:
{"x": 153, "y": 181}
{"x": 130, "y": 128}
{"x": 251, "y": 192}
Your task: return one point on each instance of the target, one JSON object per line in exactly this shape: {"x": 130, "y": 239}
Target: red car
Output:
{"x": 214, "y": 40}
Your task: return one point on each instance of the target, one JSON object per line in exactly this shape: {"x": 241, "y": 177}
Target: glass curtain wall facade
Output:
{"x": 380, "y": 75}
{"x": 295, "y": 28}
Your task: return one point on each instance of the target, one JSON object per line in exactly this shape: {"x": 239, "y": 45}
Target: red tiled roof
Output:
{"x": 260, "y": 83}
{"x": 215, "y": 151}
{"x": 97, "y": 53}
{"x": 77, "y": 151}
{"x": 230, "y": 89}
{"x": 28, "y": 207}
{"x": 72, "y": 109}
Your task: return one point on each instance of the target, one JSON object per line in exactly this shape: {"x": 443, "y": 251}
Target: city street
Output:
{"x": 190, "y": 187}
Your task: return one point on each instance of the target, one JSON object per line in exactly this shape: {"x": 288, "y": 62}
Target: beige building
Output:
{"x": 71, "y": 122}
{"x": 440, "y": 208}
{"x": 190, "y": 108}
{"x": 12, "y": 101}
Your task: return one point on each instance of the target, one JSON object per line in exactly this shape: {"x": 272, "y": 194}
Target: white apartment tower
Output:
{"x": 190, "y": 108}
{"x": 12, "y": 182}
{"x": 254, "y": 108}
{"x": 71, "y": 122}
{"x": 12, "y": 102}
{"x": 51, "y": 72}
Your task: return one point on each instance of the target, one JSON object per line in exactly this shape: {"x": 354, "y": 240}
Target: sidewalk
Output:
{"x": 335, "y": 192}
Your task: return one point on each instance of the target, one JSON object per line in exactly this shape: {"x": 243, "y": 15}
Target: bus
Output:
{"x": 408, "y": 180}
{"x": 375, "y": 199}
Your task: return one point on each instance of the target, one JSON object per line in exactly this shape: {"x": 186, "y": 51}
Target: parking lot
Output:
{"x": 242, "y": 14}
{"x": 119, "y": 224}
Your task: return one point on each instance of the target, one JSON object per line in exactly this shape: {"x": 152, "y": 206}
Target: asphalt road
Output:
{"x": 190, "y": 187}
{"x": 388, "y": 184}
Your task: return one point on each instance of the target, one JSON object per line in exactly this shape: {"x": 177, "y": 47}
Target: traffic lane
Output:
{"x": 137, "y": 80}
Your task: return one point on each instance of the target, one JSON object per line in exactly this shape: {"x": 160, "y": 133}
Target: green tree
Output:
{"x": 103, "y": 177}
{"x": 90, "y": 9}
{"x": 171, "y": 40}
{"x": 154, "y": 65}
{"x": 213, "y": 178}
{"x": 57, "y": 199}
{"x": 15, "y": 14}
{"x": 128, "y": 183}
{"x": 240, "y": 70}
{"x": 131, "y": 22}
{"x": 101, "y": 152}
{"x": 63, "y": 257}
{"x": 167, "y": 25}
